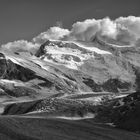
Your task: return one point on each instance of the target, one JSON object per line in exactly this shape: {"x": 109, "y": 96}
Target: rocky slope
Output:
{"x": 69, "y": 67}
{"x": 74, "y": 67}
{"x": 122, "y": 112}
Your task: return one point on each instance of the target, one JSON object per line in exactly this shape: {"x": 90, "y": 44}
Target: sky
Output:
{"x": 25, "y": 19}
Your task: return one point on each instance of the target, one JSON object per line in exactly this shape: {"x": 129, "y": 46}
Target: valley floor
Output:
{"x": 35, "y": 128}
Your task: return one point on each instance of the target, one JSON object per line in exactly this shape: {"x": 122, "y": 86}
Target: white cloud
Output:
{"x": 131, "y": 24}
{"x": 87, "y": 29}
{"x": 84, "y": 30}
{"x": 20, "y": 46}
{"x": 52, "y": 33}
{"x": 124, "y": 29}
{"x": 108, "y": 28}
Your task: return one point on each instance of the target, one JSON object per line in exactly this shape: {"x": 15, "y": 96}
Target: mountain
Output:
{"x": 71, "y": 80}
{"x": 69, "y": 68}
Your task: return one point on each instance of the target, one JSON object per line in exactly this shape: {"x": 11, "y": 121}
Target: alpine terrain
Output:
{"x": 70, "y": 89}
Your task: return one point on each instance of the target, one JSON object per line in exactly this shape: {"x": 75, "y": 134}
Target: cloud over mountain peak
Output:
{"x": 125, "y": 28}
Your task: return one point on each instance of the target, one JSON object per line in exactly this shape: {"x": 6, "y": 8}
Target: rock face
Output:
{"x": 127, "y": 111}
{"x": 123, "y": 112}
{"x": 17, "y": 72}
{"x": 93, "y": 70}
{"x": 3, "y": 65}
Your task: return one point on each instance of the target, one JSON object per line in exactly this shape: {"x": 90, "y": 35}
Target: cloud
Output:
{"x": 108, "y": 28}
{"x": 122, "y": 29}
{"x": 87, "y": 29}
{"x": 20, "y": 46}
{"x": 131, "y": 24}
{"x": 55, "y": 33}
{"x": 84, "y": 30}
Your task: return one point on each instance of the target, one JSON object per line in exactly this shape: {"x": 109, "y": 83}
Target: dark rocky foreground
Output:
{"x": 33, "y": 128}
{"x": 122, "y": 112}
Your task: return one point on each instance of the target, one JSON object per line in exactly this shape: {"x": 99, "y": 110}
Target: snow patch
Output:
{"x": 87, "y": 116}
{"x": 93, "y": 49}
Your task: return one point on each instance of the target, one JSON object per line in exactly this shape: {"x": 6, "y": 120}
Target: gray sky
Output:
{"x": 24, "y": 19}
